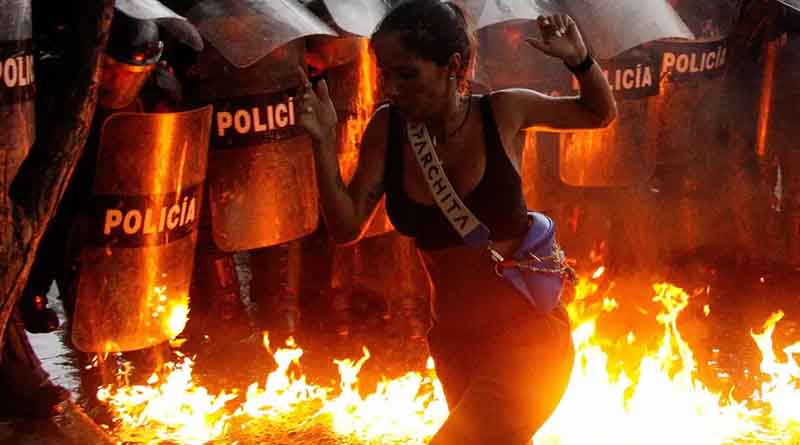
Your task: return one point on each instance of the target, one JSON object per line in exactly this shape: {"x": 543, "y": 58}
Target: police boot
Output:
{"x": 227, "y": 303}
{"x": 37, "y": 317}
{"x": 275, "y": 287}
{"x": 340, "y": 289}
{"x": 415, "y": 312}
{"x": 341, "y": 302}
{"x": 217, "y": 314}
{"x": 25, "y": 387}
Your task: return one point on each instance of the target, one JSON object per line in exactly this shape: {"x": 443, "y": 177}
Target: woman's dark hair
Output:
{"x": 432, "y": 29}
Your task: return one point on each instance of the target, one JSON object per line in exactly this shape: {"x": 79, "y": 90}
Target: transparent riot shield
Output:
{"x": 610, "y": 28}
{"x": 136, "y": 264}
{"x": 261, "y": 181}
{"x": 692, "y": 157}
{"x": 17, "y": 87}
{"x": 613, "y": 27}
{"x": 244, "y": 31}
{"x": 691, "y": 89}
{"x": 794, "y": 4}
{"x": 505, "y": 60}
{"x": 359, "y": 17}
{"x": 489, "y": 12}
{"x": 174, "y": 23}
{"x": 777, "y": 135}
{"x": 709, "y": 20}
{"x": 623, "y": 154}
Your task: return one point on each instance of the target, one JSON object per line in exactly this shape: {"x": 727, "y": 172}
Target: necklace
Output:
{"x": 461, "y": 125}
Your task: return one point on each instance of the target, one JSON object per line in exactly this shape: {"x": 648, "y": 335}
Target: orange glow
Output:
{"x": 765, "y": 103}
{"x": 780, "y": 389}
{"x": 530, "y": 171}
{"x": 170, "y": 313}
{"x": 585, "y": 152}
{"x": 363, "y": 104}
{"x": 656, "y": 400}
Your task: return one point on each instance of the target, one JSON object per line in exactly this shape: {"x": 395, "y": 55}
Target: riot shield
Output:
{"x": 489, "y": 12}
{"x": 261, "y": 181}
{"x": 136, "y": 264}
{"x": 505, "y": 60}
{"x": 17, "y": 87}
{"x": 691, "y": 88}
{"x": 660, "y": 89}
{"x": 794, "y": 4}
{"x": 244, "y": 31}
{"x": 709, "y": 19}
{"x": 154, "y": 10}
{"x": 359, "y": 17}
{"x": 692, "y": 157}
{"x": 780, "y": 96}
{"x": 610, "y": 28}
{"x": 623, "y": 154}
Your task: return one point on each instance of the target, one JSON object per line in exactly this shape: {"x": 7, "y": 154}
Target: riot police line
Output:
{"x": 248, "y": 172}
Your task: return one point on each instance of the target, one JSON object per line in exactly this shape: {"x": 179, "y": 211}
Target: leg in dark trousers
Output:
{"x": 216, "y": 311}
{"x": 501, "y": 390}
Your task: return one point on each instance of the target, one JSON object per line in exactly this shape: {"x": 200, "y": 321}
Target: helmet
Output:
{"x": 133, "y": 51}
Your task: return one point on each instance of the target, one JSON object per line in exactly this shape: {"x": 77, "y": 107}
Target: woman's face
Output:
{"x": 418, "y": 87}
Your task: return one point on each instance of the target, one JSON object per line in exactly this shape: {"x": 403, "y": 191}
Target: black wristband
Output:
{"x": 581, "y": 67}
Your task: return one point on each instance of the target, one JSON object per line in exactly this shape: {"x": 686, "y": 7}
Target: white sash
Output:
{"x": 444, "y": 194}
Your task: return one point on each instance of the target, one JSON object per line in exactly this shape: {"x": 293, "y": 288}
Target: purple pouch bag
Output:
{"x": 538, "y": 267}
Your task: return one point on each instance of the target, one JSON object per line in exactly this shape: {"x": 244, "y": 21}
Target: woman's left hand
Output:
{"x": 560, "y": 38}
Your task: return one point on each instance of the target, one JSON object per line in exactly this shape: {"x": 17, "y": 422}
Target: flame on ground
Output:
{"x": 662, "y": 402}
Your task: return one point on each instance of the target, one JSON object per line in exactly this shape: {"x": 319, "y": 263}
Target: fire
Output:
{"x": 282, "y": 392}
{"x": 656, "y": 398}
{"x": 174, "y": 409}
{"x": 178, "y": 312}
{"x": 779, "y": 392}
{"x": 408, "y": 409}
{"x": 664, "y": 397}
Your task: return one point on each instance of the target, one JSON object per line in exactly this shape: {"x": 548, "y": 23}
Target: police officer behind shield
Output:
{"x": 132, "y": 56}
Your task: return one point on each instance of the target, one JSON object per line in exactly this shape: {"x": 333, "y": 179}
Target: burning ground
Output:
{"x": 646, "y": 373}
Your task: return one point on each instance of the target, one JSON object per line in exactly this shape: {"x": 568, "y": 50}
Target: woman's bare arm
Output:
{"x": 347, "y": 209}
{"x": 595, "y": 107}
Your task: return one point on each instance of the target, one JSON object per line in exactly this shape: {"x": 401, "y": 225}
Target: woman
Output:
{"x": 503, "y": 365}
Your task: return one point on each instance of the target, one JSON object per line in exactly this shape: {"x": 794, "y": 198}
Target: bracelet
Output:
{"x": 581, "y": 67}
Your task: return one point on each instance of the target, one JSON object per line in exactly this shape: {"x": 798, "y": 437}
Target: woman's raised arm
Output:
{"x": 594, "y": 108}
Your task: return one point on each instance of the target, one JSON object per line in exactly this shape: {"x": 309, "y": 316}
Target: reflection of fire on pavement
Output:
{"x": 653, "y": 398}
